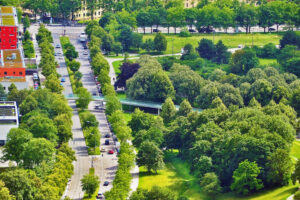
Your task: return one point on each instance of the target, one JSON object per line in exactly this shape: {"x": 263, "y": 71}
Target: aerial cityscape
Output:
{"x": 149, "y": 100}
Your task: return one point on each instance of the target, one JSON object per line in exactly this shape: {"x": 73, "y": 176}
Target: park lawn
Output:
{"x": 121, "y": 95}
{"x": 177, "y": 177}
{"x": 116, "y": 65}
{"x": 264, "y": 61}
{"x": 230, "y": 40}
{"x": 295, "y": 151}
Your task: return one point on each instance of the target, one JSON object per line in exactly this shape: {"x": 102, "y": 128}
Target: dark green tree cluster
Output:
{"x": 28, "y": 45}
{"x": 156, "y": 193}
{"x": 150, "y": 82}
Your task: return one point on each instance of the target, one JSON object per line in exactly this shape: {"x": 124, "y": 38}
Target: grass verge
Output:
{"x": 264, "y": 61}
{"x": 117, "y": 65}
{"x": 93, "y": 196}
{"x": 230, "y": 40}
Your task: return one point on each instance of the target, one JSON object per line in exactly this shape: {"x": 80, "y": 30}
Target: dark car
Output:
{"x": 156, "y": 30}
{"x": 106, "y": 142}
{"x": 192, "y": 30}
{"x": 106, "y": 183}
{"x": 107, "y": 135}
{"x": 99, "y": 195}
{"x": 271, "y": 29}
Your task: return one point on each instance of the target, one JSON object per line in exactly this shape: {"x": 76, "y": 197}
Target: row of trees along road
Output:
{"x": 113, "y": 110}
{"x": 173, "y": 14}
{"x": 39, "y": 146}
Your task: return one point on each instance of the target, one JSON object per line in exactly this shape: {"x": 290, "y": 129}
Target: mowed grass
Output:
{"x": 116, "y": 65}
{"x": 230, "y": 40}
{"x": 295, "y": 151}
{"x": 177, "y": 177}
{"x": 263, "y": 61}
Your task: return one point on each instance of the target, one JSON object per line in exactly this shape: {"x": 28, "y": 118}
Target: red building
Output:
{"x": 8, "y": 27}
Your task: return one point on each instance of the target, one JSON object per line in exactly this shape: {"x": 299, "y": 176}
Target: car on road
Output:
{"x": 99, "y": 195}
{"x": 62, "y": 80}
{"x": 106, "y": 183}
{"x": 57, "y": 46}
{"x": 94, "y": 93}
{"x": 192, "y": 30}
{"x": 271, "y": 29}
{"x": 106, "y": 142}
{"x": 96, "y": 107}
{"x": 107, "y": 135}
{"x": 85, "y": 53}
{"x": 156, "y": 30}
{"x": 61, "y": 84}
{"x": 102, "y": 149}
{"x": 111, "y": 151}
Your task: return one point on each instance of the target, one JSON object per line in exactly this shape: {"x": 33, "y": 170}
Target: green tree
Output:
{"x": 137, "y": 40}
{"x": 36, "y": 151}
{"x": 161, "y": 193}
{"x": 148, "y": 45}
{"x": 222, "y": 55}
{"x": 150, "y": 156}
{"x": 161, "y": 86}
{"x": 23, "y": 184}
{"x": 245, "y": 178}
{"x": 53, "y": 84}
{"x": 280, "y": 165}
{"x": 206, "y": 49}
{"x": 74, "y": 65}
{"x": 211, "y": 184}
{"x": 26, "y": 23}
{"x": 84, "y": 98}
{"x": 112, "y": 104}
{"x": 4, "y": 192}
{"x": 160, "y": 42}
{"x": 16, "y": 142}
{"x": 125, "y": 37}
{"x": 176, "y": 17}
{"x": 242, "y": 61}
{"x": 185, "y": 108}
{"x": 246, "y": 16}
{"x": 89, "y": 183}
{"x": 142, "y": 19}
{"x": 168, "y": 111}
{"x": 117, "y": 48}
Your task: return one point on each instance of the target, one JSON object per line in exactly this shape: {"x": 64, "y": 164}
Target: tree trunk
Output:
{"x": 144, "y": 30}
{"x": 277, "y": 26}
{"x": 175, "y": 30}
{"x": 264, "y": 29}
{"x": 151, "y": 29}
{"x": 168, "y": 30}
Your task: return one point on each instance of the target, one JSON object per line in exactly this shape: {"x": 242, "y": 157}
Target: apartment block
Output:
{"x": 8, "y": 27}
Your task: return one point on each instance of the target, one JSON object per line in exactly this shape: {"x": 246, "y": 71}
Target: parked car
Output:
{"x": 85, "y": 53}
{"x": 99, "y": 195}
{"x": 107, "y": 135}
{"x": 192, "y": 30}
{"x": 62, "y": 80}
{"x": 111, "y": 151}
{"x": 271, "y": 29}
{"x": 102, "y": 149}
{"x": 96, "y": 107}
{"x": 106, "y": 183}
{"x": 106, "y": 142}
{"x": 57, "y": 46}
{"x": 156, "y": 30}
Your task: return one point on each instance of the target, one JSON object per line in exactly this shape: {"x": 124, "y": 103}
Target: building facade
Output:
{"x": 8, "y": 28}
{"x": 190, "y": 3}
{"x": 85, "y": 14}
{"x": 9, "y": 118}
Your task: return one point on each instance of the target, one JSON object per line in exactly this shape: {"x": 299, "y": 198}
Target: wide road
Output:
{"x": 83, "y": 163}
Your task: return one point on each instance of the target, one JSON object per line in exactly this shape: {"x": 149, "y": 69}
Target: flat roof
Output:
{"x": 12, "y": 58}
{"x": 8, "y": 16}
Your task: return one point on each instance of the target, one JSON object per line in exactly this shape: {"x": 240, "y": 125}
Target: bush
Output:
{"x": 185, "y": 33}
{"x": 297, "y": 195}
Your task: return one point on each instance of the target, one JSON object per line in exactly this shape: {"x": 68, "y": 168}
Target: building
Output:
{"x": 190, "y": 3}
{"x": 85, "y": 14}
{"x": 8, "y": 27}
{"x": 9, "y": 118}
{"x": 12, "y": 69}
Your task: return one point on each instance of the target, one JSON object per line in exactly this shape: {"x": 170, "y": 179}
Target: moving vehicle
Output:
{"x": 156, "y": 30}
{"x": 83, "y": 37}
{"x": 106, "y": 183}
{"x": 107, "y": 135}
{"x": 62, "y": 80}
{"x": 107, "y": 142}
{"x": 85, "y": 53}
{"x": 57, "y": 46}
{"x": 102, "y": 149}
{"x": 271, "y": 29}
{"x": 192, "y": 30}
{"x": 99, "y": 195}
{"x": 111, "y": 151}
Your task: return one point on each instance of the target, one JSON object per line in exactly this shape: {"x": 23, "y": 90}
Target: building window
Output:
{"x": 14, "y": 73}
{"x": 5, "y": 73}
{"x": 84, "y": 14}
{"x": 20, "y": 73}
{"x": 99, "y": 13}
{"x": 95, "y": 13}
{"x": 187, "y": 5}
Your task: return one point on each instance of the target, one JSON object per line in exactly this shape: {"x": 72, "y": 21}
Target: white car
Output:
{"x": 85, "y": 53}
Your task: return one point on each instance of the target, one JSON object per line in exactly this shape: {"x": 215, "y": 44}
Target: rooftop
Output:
{"x": 11, "y": 58}
{"x": 8, "y": 16}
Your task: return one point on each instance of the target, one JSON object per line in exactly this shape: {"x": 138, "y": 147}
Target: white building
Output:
{"x": 9, "y": 118}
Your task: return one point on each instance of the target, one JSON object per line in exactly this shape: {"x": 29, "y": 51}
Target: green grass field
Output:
{"x": 176, "y": 176}
{"x": 264, "y": 61}
{"x": 230, "y": 40}
{"x": 117, "y": 65}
